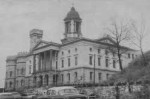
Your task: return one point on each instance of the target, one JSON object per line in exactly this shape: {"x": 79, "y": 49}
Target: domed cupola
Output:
{"x": 72, "y": 25}
{"x": 72, "y": 14}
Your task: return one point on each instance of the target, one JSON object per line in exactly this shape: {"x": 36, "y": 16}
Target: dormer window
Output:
{"x": 62, "y": 53}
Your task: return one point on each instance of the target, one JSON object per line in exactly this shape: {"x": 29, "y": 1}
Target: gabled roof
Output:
{"x": 43, "y": 43}
{"x": 106, "y": 39}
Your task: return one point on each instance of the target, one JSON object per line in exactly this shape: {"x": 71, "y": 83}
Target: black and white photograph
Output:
{"x": 74, "y": 49}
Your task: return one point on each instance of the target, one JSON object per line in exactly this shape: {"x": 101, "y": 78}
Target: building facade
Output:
{"x": 77, "y": 60}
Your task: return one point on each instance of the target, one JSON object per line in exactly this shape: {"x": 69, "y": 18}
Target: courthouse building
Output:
{"x": 77, "y": 60}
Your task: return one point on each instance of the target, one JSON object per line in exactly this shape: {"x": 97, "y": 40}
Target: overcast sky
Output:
{"x": 18, "y": 17}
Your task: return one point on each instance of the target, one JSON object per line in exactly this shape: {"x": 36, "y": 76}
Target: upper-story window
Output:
{"x": 69, "y": 51}
{"x": 99, "y": 61}
{"x": 128, "y": 55}
{"x": 69, "y": 61}
{"x": 62, "y": 53}
{"x": 107, "y": 76}
{"x": 114, "y": 64}
{"x": 76, "y": 60}
{"x": 22, "y": 71}
{"x": 17, "y": 71}
{"x": 107, "y": 62}
{"x": 99, "y": 51}
{"x": 113, "y": 54}
{"x": 10, "y": 84}
{"x": 22, "y": 82}
{"x": 132, "y": 56}
{"x": 56, "y": 64}
{"x": 90, "y": 49}
{"x": 62, "y": 63}
{"x": 76, "y": 49}
{"x": 90, "y": 59}
{"x": 106, "y": 52}
{"x": 30, "y": 69}
{"x": 11, "y": 73}
{"x": 30, "y": 61}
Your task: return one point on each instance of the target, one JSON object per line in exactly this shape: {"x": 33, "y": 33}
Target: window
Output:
{"x": 22, "y": 82}
{"x": 76, "y": 75}
{"x": 107, "y": 76}
{"x": 56, "y": 65}
{"x": 68, "y": 61}
{"x": 17, "y": 83}
{"x": 62, "y": 63}
{"x": 69, "y": 51}
{"x": 76, "y": 49}
{"x": 11, "y": 73}
{"x": 62, "y": 53}
{"x": 68, "y": 77}
{"x": 99, "y": 61}
{"x": 99, "y": 76}
{"x": 114, "y": 64}
{"x": 106, "y": 52}
{"x": 6, "y": 85}
{"x": 113, "y": 54}
{"x": 90, "y": 60}
{"x": 128, "y": 55}
{"x": 76, "y": 60}
{"x": 62, "y": 78}
{"x": 99, "y": 51}
{"x": 90, "y": 49}
{"x": 132, "y": 56}
{"x": 22, "y": 71}
{"x": 91, "y": 75}
{"x": 29, "y": 69}
{"x": 106, "y": 62}
{"x": 17, "y": 71}
{"x": 10, "y": 84}
{"x": 30, "y": 61}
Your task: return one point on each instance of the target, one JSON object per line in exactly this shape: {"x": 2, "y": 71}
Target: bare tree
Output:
{"x": 139, "y": 35}
{"x": 119, "y": 31}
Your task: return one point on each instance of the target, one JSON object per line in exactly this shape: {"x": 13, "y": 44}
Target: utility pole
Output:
{"x": 94, "y": 70}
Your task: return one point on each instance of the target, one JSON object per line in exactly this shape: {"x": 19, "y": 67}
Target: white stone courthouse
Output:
{"x": 77, "y": 60}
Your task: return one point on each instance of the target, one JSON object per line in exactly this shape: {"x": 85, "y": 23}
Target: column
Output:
{"x": 50, "y": 81}
{"x": 39, "y": 61}
{"x": 51, "y": 56}
{"x": 34, "y": 67}
{"x": 44, "y": 80}
{"x": 45, "y": 61}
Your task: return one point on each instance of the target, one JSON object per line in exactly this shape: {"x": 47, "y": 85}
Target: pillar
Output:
{"x": 34, "y": 65}
{"x": 51, "y": 56}
{"x": 45, "y": 61}
{"x": 39, "y": 61}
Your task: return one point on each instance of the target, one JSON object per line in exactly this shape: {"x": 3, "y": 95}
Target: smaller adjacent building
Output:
{"x": 77, "y": 60}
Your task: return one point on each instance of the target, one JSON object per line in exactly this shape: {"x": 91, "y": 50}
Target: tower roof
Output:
{"x": 72, "y": 14}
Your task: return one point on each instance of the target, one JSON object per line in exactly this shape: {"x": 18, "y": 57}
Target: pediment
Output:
{"x": 40, "y": 45}
{"x": 107, "y": 41}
